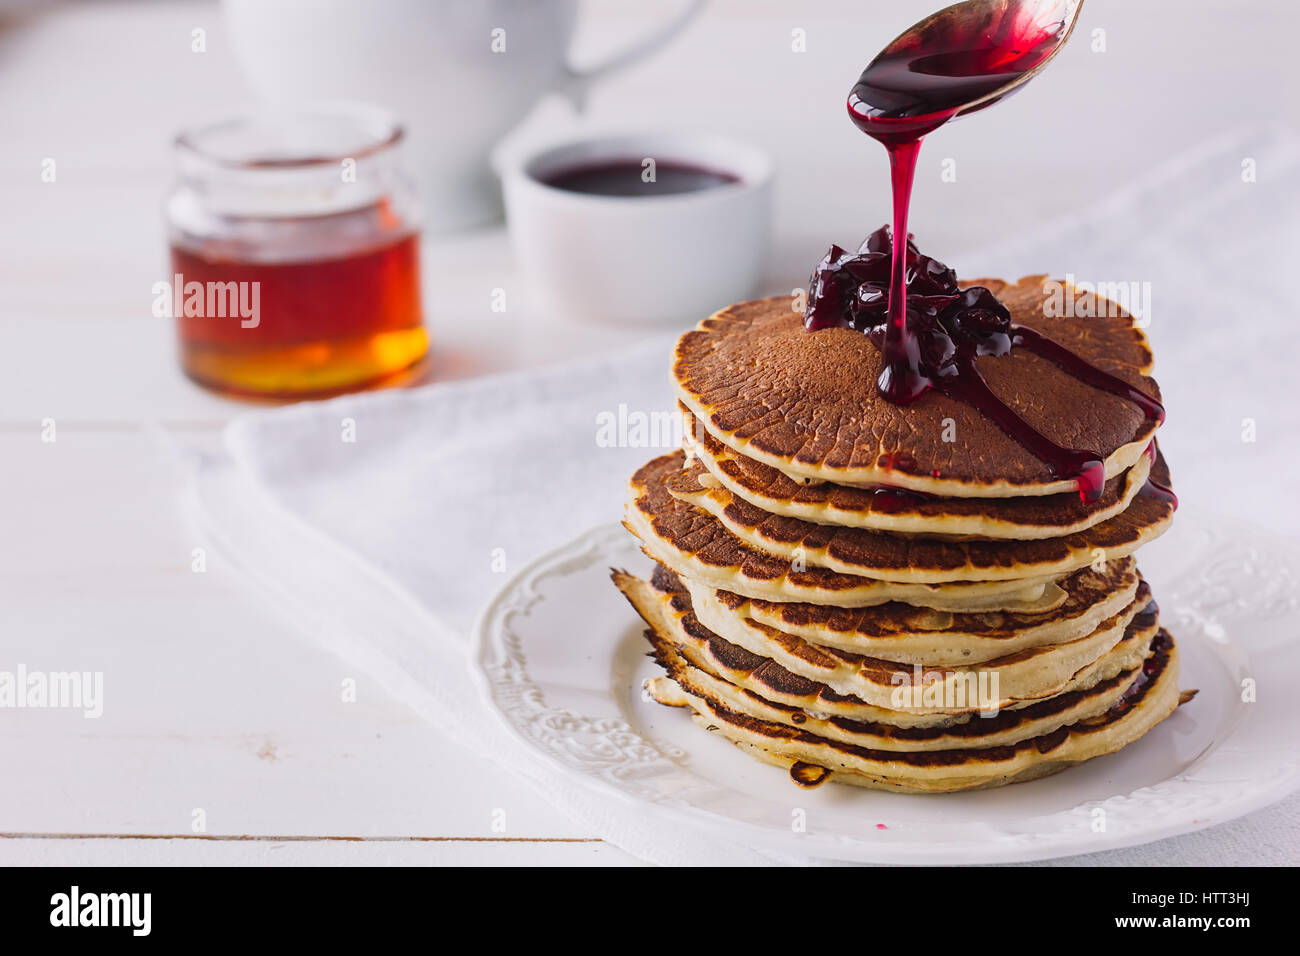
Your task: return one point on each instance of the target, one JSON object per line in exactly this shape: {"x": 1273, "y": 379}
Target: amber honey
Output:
{"x": 323, "y": 325}
{"x": 295, "y": 257}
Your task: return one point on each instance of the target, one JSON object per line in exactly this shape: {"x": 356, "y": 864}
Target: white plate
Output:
{"x": 561, "y": 658}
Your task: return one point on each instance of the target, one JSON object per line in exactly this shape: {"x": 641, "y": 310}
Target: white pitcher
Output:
{"x": 458, "y": 73}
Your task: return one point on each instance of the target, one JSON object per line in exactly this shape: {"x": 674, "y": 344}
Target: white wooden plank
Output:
{"x": 210, "y": 701}
{"x": 191, "y": 852}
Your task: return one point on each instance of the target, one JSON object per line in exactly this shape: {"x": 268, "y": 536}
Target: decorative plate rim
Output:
{"x": 609, "y": 757}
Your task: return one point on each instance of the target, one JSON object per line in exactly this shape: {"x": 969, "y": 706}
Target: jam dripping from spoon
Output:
{"x": 920, "y": 82}
{"x": 929, "y": 331}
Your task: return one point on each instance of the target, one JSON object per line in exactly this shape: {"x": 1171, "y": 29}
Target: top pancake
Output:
{"x": 806, "y": 402}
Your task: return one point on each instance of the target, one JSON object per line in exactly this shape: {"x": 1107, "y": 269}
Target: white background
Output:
{"x": 215, "y": 702}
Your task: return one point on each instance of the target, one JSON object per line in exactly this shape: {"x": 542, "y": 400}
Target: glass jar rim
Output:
{"x": 376, "y": 131}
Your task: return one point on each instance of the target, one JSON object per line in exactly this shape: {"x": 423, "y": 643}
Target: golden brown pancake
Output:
{"x": 1027, "y": 674}
{"x": 1004, "y": 728}
{"x": 912, "y": 635}
{"x": 822, "y": 502}
{"x": 696, "y": 545}
{"x": 806, "y": 402}
{"x": 667, "y": 609}
{"x": 1151, "y": 695}
{"x": 908, "y": 558}
{"x": 952, "y": 770}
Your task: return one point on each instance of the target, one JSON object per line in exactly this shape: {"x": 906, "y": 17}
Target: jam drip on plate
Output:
{"x": 948, "y": 329}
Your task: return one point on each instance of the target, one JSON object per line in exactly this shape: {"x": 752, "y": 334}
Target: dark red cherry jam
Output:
{"x": 625, "y": 177}
{"x": 1151, "y": 669}
{"x": 1153, "y": 488}
{"x": 1147, "y": 616}
{"x": 888, "y": 499}
{"x": 948, "y": 329}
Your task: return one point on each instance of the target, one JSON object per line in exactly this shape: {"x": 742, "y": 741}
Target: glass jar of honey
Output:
{"x": 295, "y": 254}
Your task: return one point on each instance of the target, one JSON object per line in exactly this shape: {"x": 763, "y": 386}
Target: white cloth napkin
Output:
{"x": 1222, "y": 256}
{"x": 386, "y": 547}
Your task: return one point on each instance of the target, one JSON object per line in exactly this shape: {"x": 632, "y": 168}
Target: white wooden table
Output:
{"x": 214, "y": 703}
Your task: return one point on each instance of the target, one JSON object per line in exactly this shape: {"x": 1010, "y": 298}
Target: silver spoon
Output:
{"x": 1047, "y": 23}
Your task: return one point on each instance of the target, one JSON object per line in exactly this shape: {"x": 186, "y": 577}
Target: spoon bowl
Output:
{"x": 961, "y": 59}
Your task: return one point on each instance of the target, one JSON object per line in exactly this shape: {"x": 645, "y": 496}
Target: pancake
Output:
{"x": 1005, "y": 728}
{"x": 910, "y": 559}
{"x": 668, "y": 611}
{"x": 812, "y": 759}
{"x": 806, "y": 403}
{"x": 911, "y": 635}
{"x": 1021, "y": 519}
{"x": 697, "y": 545}
{"x": 1022, "y": 675}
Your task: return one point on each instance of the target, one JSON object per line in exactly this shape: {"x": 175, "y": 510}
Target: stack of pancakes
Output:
{"x": 901, "y": 596}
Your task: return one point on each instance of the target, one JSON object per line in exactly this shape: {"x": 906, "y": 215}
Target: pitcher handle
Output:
{"x": 577, "y": 83}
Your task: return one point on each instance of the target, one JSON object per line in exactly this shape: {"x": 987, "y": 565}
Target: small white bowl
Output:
{"x": 641, "y": 259}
